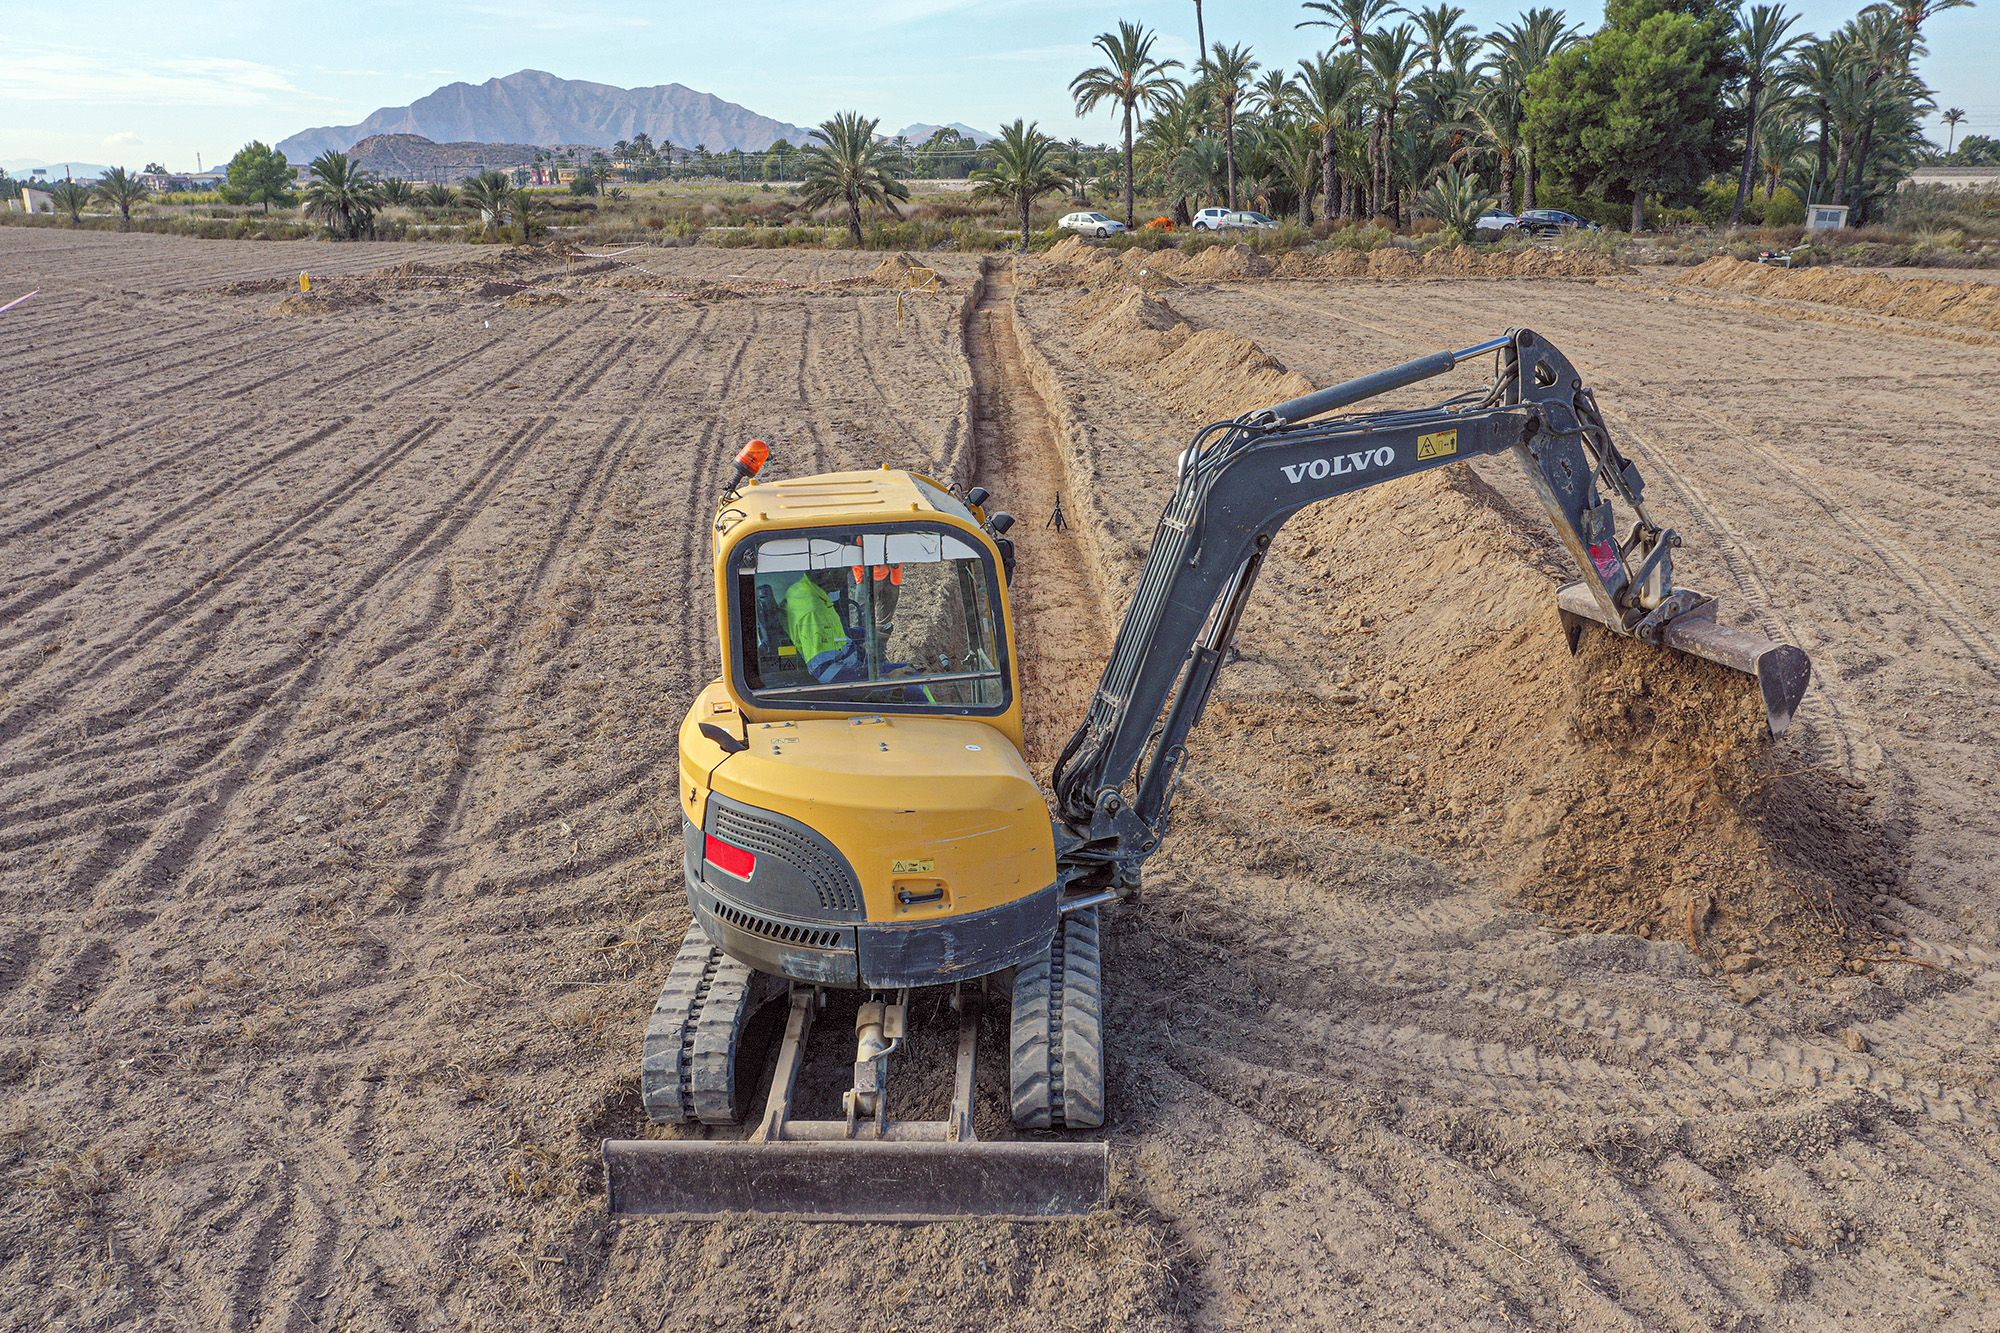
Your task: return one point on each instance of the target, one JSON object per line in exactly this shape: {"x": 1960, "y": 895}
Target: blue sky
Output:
{"x": 120, "y": 82}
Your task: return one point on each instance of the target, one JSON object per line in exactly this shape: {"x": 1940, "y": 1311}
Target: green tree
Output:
{"x": 1226, "y": 71}
{"x": 1638, "y": 109}
{"x": 121, "y": 189}
{"x": 1520, "y": 49}
{"x": 526, "y": 210}
{"x": 259, "y": 174}
{"x": 1442, "y": 28}
{"x": 437, "y": 195}
{"x": 342, "y": 195}
{"x": 848, "y": 166}
{"x": 1129, "y": 77}
{"x": 72, "y": 197}
{"x": 1026, "y": 166}
{"x": 396, "y": 190}
{"x": 491, "y": 195}
{"x": 1456, "y": 201}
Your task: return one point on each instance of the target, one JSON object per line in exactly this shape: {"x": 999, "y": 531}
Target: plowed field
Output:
{"x": 343, "y": 639}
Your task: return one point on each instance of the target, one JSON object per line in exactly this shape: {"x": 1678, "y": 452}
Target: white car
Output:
{"x": 1496, "y": 223}
{"x": 1225, "y": 219}
{"x": 1092, "y": 224}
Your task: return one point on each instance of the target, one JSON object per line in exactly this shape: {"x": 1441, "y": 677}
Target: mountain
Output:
{"x": 919, "y": 132}
{"x": 533, "y": 107}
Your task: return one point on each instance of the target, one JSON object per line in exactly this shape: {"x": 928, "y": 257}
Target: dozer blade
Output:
{"x": 1782, "y": 670}
{"x": 862, "y": 1180}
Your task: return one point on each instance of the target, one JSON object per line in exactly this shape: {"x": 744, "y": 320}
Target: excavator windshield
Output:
{"x": 895, "y": 618}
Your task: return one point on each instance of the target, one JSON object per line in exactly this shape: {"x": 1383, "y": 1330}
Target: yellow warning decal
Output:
{"x": 1443, "y": 444}
{"x": 922, "y": 867}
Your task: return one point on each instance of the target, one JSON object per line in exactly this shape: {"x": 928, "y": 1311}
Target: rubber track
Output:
{"x": 1057, "y": 1051}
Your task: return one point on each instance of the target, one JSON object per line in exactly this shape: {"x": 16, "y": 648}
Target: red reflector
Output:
{"x": 729, "y": 858}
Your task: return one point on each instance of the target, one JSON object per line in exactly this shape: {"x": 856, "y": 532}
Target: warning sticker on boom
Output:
{"x": 1443, "y": 444}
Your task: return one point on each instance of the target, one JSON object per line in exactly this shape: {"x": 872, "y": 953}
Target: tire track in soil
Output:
{"x": 172, "y": 850}
{"x": 15, "y": 607}
{"x": 472, "y": 754}
{"x": 177, "y": 610}
{"x": 30, "y": 473}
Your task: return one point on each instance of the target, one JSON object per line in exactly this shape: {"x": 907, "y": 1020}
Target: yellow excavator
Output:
{"x": 858, "y": 813}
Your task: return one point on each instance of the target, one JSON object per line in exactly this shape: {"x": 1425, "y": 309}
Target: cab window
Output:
{"x": 898, "y": 618}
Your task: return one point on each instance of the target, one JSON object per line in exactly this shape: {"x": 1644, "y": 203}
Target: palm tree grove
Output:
{"x": 1684, "y": 120}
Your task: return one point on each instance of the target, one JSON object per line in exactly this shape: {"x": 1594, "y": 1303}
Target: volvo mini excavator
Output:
{"x": 858, "y": 813}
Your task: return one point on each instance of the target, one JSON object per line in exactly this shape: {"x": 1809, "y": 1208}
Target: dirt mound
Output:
{"x": 322, "y": 301}
{"x": 1975, "y": 304}
{"x": 1222, "y": 263}
{"x": 1075, "y": 250}
{"x": 531, "y": 300}
{"x": 1207, "y": 373}
{"x": 1625, "y": 789}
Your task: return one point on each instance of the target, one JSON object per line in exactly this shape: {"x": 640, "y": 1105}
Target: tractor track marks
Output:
{"x": 226, "y": 764}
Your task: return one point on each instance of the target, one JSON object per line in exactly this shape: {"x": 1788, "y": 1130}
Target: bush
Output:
{"x": 1785, "y": 209}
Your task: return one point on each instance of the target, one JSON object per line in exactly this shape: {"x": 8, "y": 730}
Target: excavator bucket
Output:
{"x": 1782, "y": 670}
{"x": 857, "y": 1180}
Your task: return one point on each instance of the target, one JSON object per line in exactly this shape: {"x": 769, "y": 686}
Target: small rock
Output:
{"x": 1856, "y": 1042}
{"x": 1738, "y": 963}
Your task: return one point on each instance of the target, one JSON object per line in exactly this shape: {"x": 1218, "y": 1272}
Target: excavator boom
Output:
{"x": 1241, "y": 480}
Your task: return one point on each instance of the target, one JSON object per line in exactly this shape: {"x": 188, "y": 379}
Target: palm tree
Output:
{"x": 396, "y": 190}
{"x": 1763, "y": 44}
{"x": 437, "y": 195}
{"x": 1781, "y": 148}
{"x": 1390, "y": 58}
{"x": 121, "y": 190}
{"x": 1227, "y": 70}
{"x": 1296, "y": 146}
{"x": 491, "y": 194}
{"x": 1328, "y": 87}
{"x": 1496, "y": 125}
{"x": 1350, "y": 18}
{"x": 1025, "y": 167}
{"x": 1200, "y": 33}
{"x": 848, "y": 166}
{"x": 1521, "y": 49}
{"x": 71, "y": 197}
{"x": 1130, "y": 77}
{"x": 341, "y": 194}
{"x": 1441, "y": 26}
{"x": 1455, "y": 200}
{"x": 523, "y": 206}
{"x": 1953, "y": 117}
{"x": 1272, "y": 96}
{"x": 1910, "y": 15}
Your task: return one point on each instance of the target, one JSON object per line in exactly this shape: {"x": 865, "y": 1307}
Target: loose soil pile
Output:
{"x": 1074, "y": 262}
{"x": 1975, "y": 304}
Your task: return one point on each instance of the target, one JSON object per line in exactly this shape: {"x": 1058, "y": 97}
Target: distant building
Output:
{"x": 1955, "y": 178}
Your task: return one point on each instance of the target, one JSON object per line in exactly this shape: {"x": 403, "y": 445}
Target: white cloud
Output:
{"x": 66, "y": 74}
{"x": 123, "y": 139}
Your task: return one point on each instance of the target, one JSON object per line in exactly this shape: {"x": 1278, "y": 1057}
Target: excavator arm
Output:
{"x": 1241, "y": 480}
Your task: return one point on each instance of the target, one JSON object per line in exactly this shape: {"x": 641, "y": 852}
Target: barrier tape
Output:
{"x": 19, "y": 299}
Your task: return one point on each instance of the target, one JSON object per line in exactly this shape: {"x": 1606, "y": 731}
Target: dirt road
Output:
{"x": 342, "y": 643}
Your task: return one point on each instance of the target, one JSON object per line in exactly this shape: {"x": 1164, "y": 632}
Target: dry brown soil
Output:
{"x": 343, "y": 640}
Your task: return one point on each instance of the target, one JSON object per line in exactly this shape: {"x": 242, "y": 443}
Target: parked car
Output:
{"x": 1494, "y": 224}
{"x": 1553, "y": 222}
{"x": 1099, "y": 225}
{"x": 1242, "y": 219}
